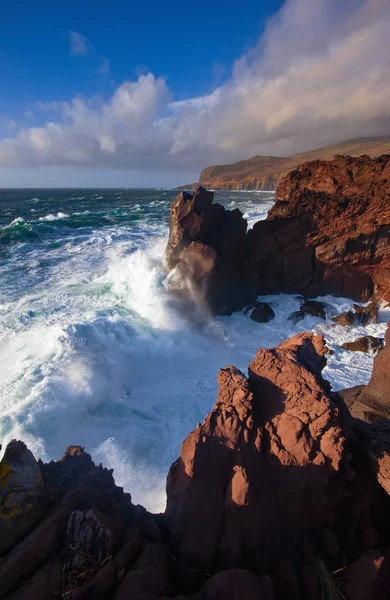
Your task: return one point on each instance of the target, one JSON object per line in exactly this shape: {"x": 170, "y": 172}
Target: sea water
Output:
{"x": 92, "y": 352}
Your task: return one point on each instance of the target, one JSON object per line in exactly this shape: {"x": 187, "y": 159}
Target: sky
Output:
{"x": 117, "y": 93}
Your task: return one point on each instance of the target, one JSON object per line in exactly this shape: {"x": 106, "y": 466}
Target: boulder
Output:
{"x": 366, "y": 314}
{"x": 366, "y": 343}
{"x": 261, "y": 312}
{"x": 346, "y": 319}
{"x": 314, "y": 308}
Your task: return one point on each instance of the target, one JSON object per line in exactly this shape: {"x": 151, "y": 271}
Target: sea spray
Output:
{"x": 93, "y": 349}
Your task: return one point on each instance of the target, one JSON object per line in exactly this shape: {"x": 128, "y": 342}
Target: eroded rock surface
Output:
{"x": 278, "y": 492}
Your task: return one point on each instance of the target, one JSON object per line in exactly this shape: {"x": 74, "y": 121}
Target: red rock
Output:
{"x": 377, "y": 392}
{"x": 328, "y": 232}
{"x": 366, "y": 343}
{"x": 260, "y": 472}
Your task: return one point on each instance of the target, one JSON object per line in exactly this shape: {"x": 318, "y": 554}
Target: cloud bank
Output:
{"x": 319, "y": 74}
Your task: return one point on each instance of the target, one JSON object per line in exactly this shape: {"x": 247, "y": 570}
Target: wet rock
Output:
{"x": 314, "y": 308}
{"x": 365, "y": 315}
{"x": 296, "y": 316}
{"x": 366, "y": 343}
{"x": 346, "y": 319}
{"x": 203, "y": 245}
{"x": 261, "y": 312}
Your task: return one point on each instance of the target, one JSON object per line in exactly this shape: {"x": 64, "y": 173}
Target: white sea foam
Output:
{"x": 59, "y": 215}
{"x": 92, "y": 352}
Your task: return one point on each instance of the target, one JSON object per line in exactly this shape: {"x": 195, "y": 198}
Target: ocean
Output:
{"x": 92, "y": 351}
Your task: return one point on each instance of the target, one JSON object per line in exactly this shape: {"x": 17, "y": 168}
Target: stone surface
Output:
{"x": 203, "y": 245}
{"x": 366, "y": 343}
{"x": 279, "y": 491}
{"x": 346, "y": 319}
{"x": 263, "y": 467}
{"x": 261, "y": 312}
{"x": 328, "y": 232}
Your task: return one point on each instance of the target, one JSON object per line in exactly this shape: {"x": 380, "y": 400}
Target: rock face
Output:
{"x": 265, "y": 469}
{"x": 328, "y": 233}
{"x": 265, "y": 172}
{"x": 204, "y": 239}
{"x": 278, "y": 492}
{"x": 371, "y": 403}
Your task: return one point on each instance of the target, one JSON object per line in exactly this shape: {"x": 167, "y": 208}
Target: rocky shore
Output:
{"x": 283, "y": 492}
{"x": 328, "y": 233}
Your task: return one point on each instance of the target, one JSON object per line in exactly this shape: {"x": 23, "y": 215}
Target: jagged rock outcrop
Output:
{"x": 265, "y": 470}
{"x": 203, "y": 245}
{"x": 328, "y": 233}
{"x": 371, "y": 403}
{"x": 278, "y": 493}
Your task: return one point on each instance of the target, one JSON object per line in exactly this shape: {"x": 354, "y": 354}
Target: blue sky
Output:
{"x": 99, "y": 92}
{"x": 190, "y": 43}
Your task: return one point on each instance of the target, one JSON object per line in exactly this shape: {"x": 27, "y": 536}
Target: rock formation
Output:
{"x": 279, "y": 494}
{"x": 265, "y": 172}
{"x": 202, "y": 249}
{"x": 328, "y": 233}
{"x": 371, "y": 403}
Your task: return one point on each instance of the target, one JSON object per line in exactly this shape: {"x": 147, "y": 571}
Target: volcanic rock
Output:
{"x": 314, "y": 308}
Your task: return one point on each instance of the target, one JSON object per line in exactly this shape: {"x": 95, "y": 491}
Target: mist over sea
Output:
{"x": 92, "y": 351}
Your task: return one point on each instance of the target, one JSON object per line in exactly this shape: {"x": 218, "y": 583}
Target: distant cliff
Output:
{"x": 265, "y": 172}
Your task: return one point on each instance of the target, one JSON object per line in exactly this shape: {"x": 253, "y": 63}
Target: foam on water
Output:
{"x": 92, "y": 351}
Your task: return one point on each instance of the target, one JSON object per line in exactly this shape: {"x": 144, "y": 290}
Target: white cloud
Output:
{"x": 79, "y": 44}
{"x": 319, "y": 74}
